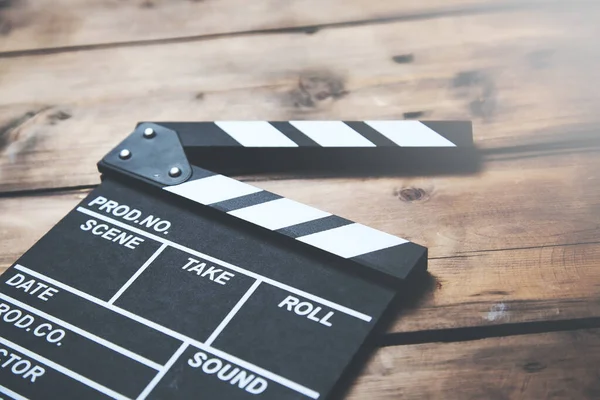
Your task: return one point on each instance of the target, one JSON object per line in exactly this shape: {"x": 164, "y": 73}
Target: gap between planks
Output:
{"x": 467, "y": 10}
{"x": 469, "y": 333}
{"x": 557, "y": 365}
{"x": 57, "y": 191}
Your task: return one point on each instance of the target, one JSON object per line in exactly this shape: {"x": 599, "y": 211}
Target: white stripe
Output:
{"x": 255, "y": 134}
{"x": 410, "y": 134}
{"x": 351, "y": 240}
{"x": 232, "y": 267}
{"x": 213, "y": 189}
{"x": 163, "y": 371}
{"x": 63, "y": 370}
{"x": 279, "y": 213}
{"x": 12, "y": 394}
{"x": 332, "y": 133}
{"x": 232, "y": 313}
{"x": 251, "y": 367}
{"x": 83, "y": 333}
{"x": 137, "y": 274}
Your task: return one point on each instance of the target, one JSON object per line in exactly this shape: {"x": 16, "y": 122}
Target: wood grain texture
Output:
{"x": 543, "y": 366}
{"x": 512, "y": 245}
{"x": 535, "y": 200}
{"x": 39, "y": 24}
{"x": 27, "y": 219}
{"x": 527, "y": 83}
{"x": 506, "y": 287}
{"x": 516, "y": 243}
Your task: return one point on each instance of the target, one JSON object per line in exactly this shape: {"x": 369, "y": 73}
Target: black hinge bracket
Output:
{"x": 152, "y": 152}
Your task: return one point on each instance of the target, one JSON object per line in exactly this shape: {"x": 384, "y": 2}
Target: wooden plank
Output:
{"x": 517, "y": 84}
{"x": 503, "y": 244}
{"x": 506, "y": 287}
{"x": 26, "y": 25}
{"x": 27, "y": 219}
{"x": 561, "y": 365}
{"x": 540, "y": 200}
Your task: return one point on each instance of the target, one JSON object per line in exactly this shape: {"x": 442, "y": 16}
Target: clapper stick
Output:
{"x": 173, "y": 281}
{"x": 389, "y": 256}
{"x": 329, "y": 147}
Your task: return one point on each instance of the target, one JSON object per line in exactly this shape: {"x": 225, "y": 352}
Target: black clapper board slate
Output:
{"x": 170, "y": 281}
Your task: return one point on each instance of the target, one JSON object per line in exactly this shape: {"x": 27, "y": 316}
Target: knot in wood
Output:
{"x": 533, "y": 367}
{"x": 411, "y": 194}
{"x": 315, "y": 87}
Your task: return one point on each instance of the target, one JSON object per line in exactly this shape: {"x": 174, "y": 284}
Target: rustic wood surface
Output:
{"x": 59, "y": 24}
{"x": 514, "y": 248}
{"x": 562, "y": 365}
{"x": 93, "y": 96}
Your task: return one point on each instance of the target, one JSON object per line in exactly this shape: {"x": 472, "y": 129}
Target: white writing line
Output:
{"x": 137, "y": 273}
{"x": 232, "y": 313}
{"x": 12, "y": 394}
{"x": 232, "y": 267}
{"x": 104, "y": 304}
{"x": 59, "y": 284}
{"x": 251, "y": 367}
{"x": 63, "y": 370}
{"x": 83, "y": 333}
{"x": 163, "y": 371}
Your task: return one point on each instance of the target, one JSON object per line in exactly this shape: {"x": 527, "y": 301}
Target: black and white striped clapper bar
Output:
{"x": 172, "y": 281}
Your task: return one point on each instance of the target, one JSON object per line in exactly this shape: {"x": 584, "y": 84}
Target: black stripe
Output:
{"x": 375, "y": 137}
{"x": 397, "y": 261}
{"x": 199, "y": 173}
{"x": 201, "y": 134}
{"x": 314, "y": 226}
{"x": 294, "y": 134}
{"x": 458, "y": 132}
{"x": 245, "y": 201}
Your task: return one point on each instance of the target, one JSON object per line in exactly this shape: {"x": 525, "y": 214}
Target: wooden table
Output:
{"x": 512, "y": 307}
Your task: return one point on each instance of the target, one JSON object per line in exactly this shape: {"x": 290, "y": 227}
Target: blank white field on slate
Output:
{"x": 352, "y": 240}
{"x": 255, "y": 134}
{"x": 279, "y": 214}
{"x": 332, "y": 133}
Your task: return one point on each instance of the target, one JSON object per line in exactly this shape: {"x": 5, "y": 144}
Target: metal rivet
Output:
{"x": 174, "y": 172}
{"x": 125, "y": 154}
{"x": 149, "y": 133}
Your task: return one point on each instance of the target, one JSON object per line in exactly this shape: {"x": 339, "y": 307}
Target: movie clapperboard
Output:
{"x": 169, "y": 281}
